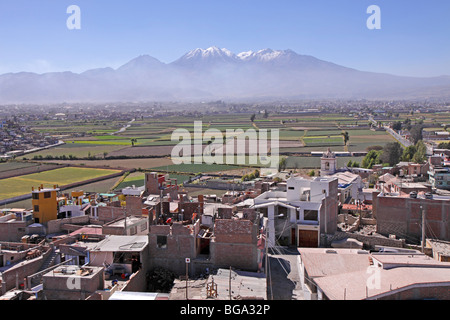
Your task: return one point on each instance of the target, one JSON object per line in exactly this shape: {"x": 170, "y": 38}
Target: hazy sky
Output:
{"x": 414, "y": 38}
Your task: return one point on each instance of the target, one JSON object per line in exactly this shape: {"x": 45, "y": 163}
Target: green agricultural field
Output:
{"x": 17, "y": 186}
{"x": 323, "y": 141}
{"x": 196, "y": 168}
{"x": 137, "y": 179}
{"x": 12, "y": 165}
{"x": 75, "y": 149}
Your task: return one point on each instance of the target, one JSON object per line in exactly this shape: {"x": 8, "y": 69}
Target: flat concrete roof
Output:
{"x": 353, "y": 285}
{"x": 114, "y": 243}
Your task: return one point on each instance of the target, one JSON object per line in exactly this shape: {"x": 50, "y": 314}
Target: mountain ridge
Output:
{"x": 216, "y": 73}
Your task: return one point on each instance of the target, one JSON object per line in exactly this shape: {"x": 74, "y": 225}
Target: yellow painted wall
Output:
{"x": 48, "y": 207}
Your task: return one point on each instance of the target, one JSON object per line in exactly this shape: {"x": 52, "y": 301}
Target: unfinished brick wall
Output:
{"x": 225, "y": 213}
{"x": 235, "y": 244}
{"x": 12, "y": 231}
{"x": 109, "y": 213}
{"x": 189, "y": 208}
{"x": 151, "y": 183}
{"x": 56, "y": 226}
{"x": 250, "y": 214}
{"x": 403, "y": 217}
{"x": 180, "y": 244}
{"x": 134, "y": 205}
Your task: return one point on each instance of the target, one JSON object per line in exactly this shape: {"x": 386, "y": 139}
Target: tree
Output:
{"x": 444, "y": 145}
{"x": 282, "y": 164}
{"x": 397, "y": 126}
{"x": 252, "y": 118}
{"x": 408, "y": 153}
{"x": 420, "y": 156}
{"x": 346, "y": 137}
{"x": 376, "y": 148}
{"x": 407, "y": 123}
{"x": 392, "y": 153}
{"x": 266, "y": 114}
{"x": 312, "y": 173}
{"x": 372, "y": 158}
{"x": 416, "y": 133}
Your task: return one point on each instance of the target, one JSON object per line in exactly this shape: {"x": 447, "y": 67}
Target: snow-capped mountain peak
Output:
{"x": 211, "y": 52}
{"x": 264, "y": 55}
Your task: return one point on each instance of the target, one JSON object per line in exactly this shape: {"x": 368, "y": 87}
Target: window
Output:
{"x": 161, "y": 242}
{"x": 133, "y": 230}
{"x": 36, "y": 208}
{"x": 47, "y": 195}
{"x": 291, "y": 188}
{"x": 36, "y": 196}
{"x": 144, "y": 226}
{"x": 311, "y": 215}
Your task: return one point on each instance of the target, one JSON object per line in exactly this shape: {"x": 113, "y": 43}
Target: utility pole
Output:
{"x": 229, "y": 283}
{"x": 125, "y": 223}
{"x": 187, "y": 276}
{"x": 423, "y": 228}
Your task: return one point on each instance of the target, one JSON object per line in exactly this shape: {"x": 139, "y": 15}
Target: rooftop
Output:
{"x": 344, "y": 274}
{"x": 321, "y": 262}
{"x": 353, "y": 285}
{"x": 115, "y": 243}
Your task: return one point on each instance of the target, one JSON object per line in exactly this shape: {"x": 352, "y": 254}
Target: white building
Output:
{"x": 350, "y": 186}
{"x": 299, "y": 215}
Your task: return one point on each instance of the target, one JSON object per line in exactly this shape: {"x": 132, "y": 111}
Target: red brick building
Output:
{"x": 402, "y": 216}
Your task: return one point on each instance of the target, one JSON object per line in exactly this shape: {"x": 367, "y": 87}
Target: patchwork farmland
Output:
{"x": 147, "y": 144}
{"x": 21, "y": 185}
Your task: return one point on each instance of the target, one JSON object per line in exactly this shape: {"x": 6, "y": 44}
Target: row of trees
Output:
{"x": 392, "y": 153}
{"x": 251, "y": 176}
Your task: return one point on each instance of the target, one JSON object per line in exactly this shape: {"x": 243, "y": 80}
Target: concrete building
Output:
{"x": 440, "y": 249}
{"x": 18, "y": 261}
{"x": 130, "y": 226}
{"x": 45, "y": 204}
{"x": 412, "y": 169}
{"x": 72, "y": 282}
{"x": 350, "y": 274}
{"x": 439, "y": 171}
{"x": 350, "y": 186}
{"x": 13, "y": 229}
{"x": 300, "y": 215}
{"x": 120, "y": 253}
{"x": 75, "y": 206}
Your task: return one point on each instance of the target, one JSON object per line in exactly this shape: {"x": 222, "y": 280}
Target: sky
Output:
{"x": 413, "y": 39}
